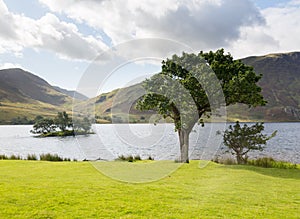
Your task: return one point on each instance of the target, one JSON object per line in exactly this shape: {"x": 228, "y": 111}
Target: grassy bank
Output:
{"x": 34, "y": 189}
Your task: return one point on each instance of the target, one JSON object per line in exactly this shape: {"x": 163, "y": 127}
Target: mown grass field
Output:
{"x": 34, "y": 189}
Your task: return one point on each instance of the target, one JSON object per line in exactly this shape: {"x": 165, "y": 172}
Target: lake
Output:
{"x": 160, "y": 142}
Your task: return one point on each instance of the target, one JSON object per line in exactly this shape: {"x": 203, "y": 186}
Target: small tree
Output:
{"x": 242, "y": 139}
{"x": 43, "y": 126}
{"x": 63, "y": 121}
{"x": 84, "y": 125}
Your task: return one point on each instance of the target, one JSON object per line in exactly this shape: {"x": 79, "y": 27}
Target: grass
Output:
{"x": 269, "y": 162}
{"x": 35, "y": 189}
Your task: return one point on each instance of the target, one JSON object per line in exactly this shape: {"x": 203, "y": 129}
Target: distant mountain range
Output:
{"x": 23, "y": 94}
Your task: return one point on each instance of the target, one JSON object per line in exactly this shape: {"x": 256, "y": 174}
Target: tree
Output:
{"x": 63, "y": 121}
{"x": 242, "y": 139}
{"x": 180, "y": 90}
{"x": 84, "y": 125}
{"x": 43, "y": 126}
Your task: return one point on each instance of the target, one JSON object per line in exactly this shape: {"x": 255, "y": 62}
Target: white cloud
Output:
{"x": 280, "y": 33}
{"x": 49, "y": 33}
{"x": 202, "y": 24}
{"x": 8, "y": 65}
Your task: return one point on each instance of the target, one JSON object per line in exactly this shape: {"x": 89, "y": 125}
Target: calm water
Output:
{"x": 160, "y": 142}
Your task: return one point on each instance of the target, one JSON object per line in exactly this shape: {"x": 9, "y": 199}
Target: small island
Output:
{"x": 62, "y": 125}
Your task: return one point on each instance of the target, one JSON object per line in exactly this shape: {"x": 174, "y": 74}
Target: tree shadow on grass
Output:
{"x": 273, "y": 172}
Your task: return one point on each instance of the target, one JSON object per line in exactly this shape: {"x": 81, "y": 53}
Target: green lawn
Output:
{"x": 34, "y": 189}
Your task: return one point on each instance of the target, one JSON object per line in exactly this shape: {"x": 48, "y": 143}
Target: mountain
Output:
{"x": 280, "y": 87}
{"x": 21, "y": 86}
{"x": 23, "y": 94}
{"x": 71, "y": 93}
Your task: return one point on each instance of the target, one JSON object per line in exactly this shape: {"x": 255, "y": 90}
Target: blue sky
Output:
{"x": 58, "y": 40}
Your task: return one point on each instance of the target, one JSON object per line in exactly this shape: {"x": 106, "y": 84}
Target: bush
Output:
{"x": 269, "y": 162}
{"x": 242, "y": 139}
{"x": 137, "y": 157}
{"x": 131, "y": 158}
{"x": 15, "y": 157}
{"x": 50, "y": 157}
{"x": 3, "y": 157}
{"x": 224, "y": 160}
{"x": 150, "y": 158}
{"x": 31, "y": 157}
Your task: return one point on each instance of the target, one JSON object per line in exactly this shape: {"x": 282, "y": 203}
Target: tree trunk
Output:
{"x": 184, "y": 145}
{"x": 240, "y": 159}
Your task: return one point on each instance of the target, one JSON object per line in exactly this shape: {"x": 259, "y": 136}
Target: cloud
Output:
{"x": 279, "y": 34}
{"x": 201, "y": 24}
{"x": 47, "y": 33}
{"x": 8, "y": 65}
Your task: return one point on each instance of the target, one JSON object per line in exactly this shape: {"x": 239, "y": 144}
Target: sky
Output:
{"x": 59, "y": 40}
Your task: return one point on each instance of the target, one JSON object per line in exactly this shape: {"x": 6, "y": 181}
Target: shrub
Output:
{"x": 3, "y": 157}
{"x": 130, "y": 158}
{"x": 269, "y": 162}
{"x": 15, "y": 157}
{"x": 242, "y": 139}
{"x": 224, "y": 160}
{"x": 150, "y": 158}
{"x": 50, "y": 157}
{"x": 31, "y": 157}
{"x": 137, "y": 157}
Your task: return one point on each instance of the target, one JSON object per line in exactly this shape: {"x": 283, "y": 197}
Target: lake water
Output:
{"x": 160, "y": 142}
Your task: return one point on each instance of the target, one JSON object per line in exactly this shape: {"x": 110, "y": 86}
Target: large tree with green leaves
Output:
{"x": 186, "y": 88}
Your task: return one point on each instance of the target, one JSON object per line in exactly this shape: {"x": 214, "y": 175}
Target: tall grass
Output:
{"x": 43, "y": 157}
{"x": 269, "y": 162}
{"x": 131, "y": 158}
{"x": 51, "y": 157}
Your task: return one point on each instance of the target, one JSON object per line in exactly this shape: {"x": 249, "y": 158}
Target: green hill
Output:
{"x": 24, "y": 96}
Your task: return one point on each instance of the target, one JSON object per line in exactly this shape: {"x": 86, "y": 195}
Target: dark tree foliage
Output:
{"x": 63, "y": 121}
{"x": 242, "y": 139}
{"x": 61, "y": 125}
{"x": 82, "y": 125}
{"x": 43, "y": 126}
{"x": 177, "y": 93}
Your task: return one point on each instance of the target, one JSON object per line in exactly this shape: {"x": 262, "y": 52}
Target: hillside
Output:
{"x": 280, "y": 86}
{"x": 71, "y": 93}
{"x": 23, "y": 94}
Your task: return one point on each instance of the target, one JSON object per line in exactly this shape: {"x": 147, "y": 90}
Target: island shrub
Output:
{"x": 62, "y": 125}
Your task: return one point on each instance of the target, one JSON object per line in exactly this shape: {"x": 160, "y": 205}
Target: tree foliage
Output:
{"x": 63, "y": 121}
{"x": 180, "y": 90}
{"x": 243, "y": 139}
{"x": 43, "y": 126}
{"x": 61, "y": 125}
